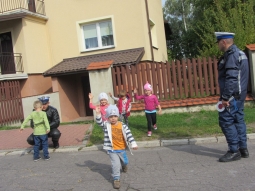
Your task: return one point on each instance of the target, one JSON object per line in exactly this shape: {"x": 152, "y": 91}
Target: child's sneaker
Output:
{"x": 36, "y": 159}
{"x": 124, "y": 168}
{"x": 116, "y": 184}
{"x": 149, "y": 133}
{"x": 155, "y": 127}
{"x": 47, "y": 158}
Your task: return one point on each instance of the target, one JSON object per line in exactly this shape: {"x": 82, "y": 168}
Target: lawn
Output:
{"x": 178, "y": 125}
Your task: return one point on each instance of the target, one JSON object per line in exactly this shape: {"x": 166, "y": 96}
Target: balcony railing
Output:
{"x": 35, "y": 6}
{"x": 11, "y": 63}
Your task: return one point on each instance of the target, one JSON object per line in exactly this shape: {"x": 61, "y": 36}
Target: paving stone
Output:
{"x": 195, "y": 141}
{"x": 148, "y": 143}
{"x": 251, "y": 136}
{"x": 174, "y": 142}
{"x": 221, "y": 139}
{"x": 71, "y": 135}
{"x": 92, "y": 148}
{"x": 61, "y": 150}
{"x": 2, "y": 153}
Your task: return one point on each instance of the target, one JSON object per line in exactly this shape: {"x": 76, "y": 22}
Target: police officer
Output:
{"x": 233, "y": 72}
{"x": 53, "y": 118}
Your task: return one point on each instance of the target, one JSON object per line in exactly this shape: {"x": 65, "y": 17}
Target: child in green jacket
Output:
{"x": 41, "y": 129}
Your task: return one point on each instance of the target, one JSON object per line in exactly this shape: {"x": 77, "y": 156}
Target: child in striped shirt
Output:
{"x": 116, "y": 138}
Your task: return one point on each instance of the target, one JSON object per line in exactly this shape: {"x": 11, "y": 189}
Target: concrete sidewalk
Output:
{"x": 74, "y": 138}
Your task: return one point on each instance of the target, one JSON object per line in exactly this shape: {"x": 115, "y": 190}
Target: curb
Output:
{"x": 141, "y": 144}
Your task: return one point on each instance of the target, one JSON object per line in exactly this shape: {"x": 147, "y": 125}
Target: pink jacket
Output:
{"x": 102, "y": 110}
{"x": 150, "y": 101}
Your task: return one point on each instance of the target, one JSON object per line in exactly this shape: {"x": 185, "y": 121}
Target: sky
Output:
{"x": 163, "y": 2}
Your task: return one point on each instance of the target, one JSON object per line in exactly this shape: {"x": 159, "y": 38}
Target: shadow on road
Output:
{"x": 199, "y": 150}
{"x": 103, "y": 169}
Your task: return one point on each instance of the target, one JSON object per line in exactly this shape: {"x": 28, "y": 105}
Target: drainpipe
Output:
{"x": 149, "y": 29}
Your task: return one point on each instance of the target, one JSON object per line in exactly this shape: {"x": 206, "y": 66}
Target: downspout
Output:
{"x": 149, "y": 29}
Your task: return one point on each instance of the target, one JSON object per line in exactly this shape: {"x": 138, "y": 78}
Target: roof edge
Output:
{"x": 250, "y": 46}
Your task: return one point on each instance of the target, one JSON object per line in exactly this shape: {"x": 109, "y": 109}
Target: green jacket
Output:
{"x": 41, "y": 123}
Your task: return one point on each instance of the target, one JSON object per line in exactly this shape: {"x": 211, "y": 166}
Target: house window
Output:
{"x": 98, "y": 35}
{"x": 153, "y": 34}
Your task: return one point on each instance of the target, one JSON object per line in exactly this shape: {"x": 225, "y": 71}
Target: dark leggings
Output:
{"x": 151, "y": 119}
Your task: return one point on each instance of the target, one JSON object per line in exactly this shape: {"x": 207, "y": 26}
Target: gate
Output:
{"x": 11, "y": 109}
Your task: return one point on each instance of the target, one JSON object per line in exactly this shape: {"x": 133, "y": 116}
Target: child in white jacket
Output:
{"x": 116, "y": 138}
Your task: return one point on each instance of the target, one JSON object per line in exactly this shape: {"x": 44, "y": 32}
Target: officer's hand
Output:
{"x": 225, "y": 103}
{"x": 47, "y": 131}
{"x": 21, "y": 130}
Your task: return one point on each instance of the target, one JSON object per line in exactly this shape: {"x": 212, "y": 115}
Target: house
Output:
{"x": 65, "y": 49}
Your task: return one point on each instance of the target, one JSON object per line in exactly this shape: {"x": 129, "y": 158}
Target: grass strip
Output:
{"x": 177, "y": 126}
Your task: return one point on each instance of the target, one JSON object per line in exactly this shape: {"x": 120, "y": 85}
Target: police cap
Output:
{"x": 44, "y": 99}
{"x": 223, "y": 35}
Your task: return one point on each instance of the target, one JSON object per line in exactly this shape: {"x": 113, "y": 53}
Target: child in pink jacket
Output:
{"x": 103, "y": 99}
{"x": 151, "y": 102}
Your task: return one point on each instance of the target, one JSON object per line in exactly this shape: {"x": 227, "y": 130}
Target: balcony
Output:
{"x": 11, "y": 63}
{"x": 16, "y": 6}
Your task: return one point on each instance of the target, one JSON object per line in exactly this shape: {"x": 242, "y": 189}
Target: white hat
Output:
{"x": 224, "y": 35}
{"x": 112, "y": 110}
{"x": 102, "y": 96}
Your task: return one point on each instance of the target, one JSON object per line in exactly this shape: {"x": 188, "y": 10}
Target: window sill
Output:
{"x": 154, "y": 47}
{"x": 95, "y": 49}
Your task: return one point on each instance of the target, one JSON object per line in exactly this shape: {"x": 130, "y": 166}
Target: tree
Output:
{"x": 203, "y": 18}
{"x": 236, "y": 16}
{"x": 177, "y": 13}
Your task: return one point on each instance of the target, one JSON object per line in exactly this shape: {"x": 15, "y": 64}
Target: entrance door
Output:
{"x": 86, "y": 91}
{"x": 6, "y": 54}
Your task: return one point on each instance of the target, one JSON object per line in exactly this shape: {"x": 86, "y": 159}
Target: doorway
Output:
{"x": 7, "y": 63}
{"x": 86, "y": 91}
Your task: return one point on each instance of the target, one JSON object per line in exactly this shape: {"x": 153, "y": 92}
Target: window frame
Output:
{"x": 97, "y": 21}
{"x": 153, "y": 34}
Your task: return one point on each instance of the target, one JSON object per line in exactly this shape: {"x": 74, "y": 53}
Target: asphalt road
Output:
{"x": 175, "y": 168}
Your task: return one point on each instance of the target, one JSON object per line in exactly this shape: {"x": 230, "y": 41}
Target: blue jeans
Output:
{"x": 41, "y": 140}
{"x": 233, "y": 126}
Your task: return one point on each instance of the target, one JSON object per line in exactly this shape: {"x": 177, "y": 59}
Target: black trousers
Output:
{"x": 151, "y": 119}
{"x": 54, "y": 134}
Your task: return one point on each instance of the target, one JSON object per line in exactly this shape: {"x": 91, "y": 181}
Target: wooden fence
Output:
{"x": 11, "y": 109}
{"x": 170, "y": 80}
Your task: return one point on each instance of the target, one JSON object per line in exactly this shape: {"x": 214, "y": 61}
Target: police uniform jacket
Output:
{"x": 53, "y": 117}
{"x": 233, "y": 74}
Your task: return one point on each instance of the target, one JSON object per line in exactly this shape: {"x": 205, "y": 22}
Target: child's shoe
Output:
{"x": 36, "y": 159}
{"x": 149, "y": 133}
{"x": 116, "y": 184}
{"x": 47, "y": 158}
{"x": 124, "y": 168}
{"x": 155, "y": 127}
